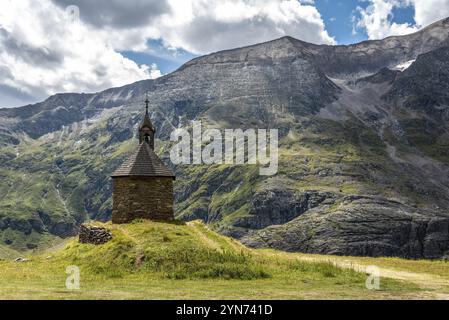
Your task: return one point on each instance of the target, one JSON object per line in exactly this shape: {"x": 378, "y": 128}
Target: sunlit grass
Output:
{"x": 149, "y": 260}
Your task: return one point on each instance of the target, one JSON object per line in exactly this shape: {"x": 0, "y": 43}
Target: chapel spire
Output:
{"x": 146, "y": 128}
{"x": 147, "y": 102}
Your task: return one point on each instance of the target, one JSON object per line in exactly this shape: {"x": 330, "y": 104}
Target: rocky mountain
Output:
{"x": 363, "y": 163}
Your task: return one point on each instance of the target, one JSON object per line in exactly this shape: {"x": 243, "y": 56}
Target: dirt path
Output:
{"x": 211, "y": 243}
{"x": 215, "y": 241}
{"x": 433, "y": 286}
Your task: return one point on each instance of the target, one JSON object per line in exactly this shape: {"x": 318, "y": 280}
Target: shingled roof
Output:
{"x": 143, "y": 163}
{"x": 146, "y": 123}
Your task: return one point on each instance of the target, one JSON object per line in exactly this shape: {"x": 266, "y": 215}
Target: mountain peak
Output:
{"x": 286, "y": 38}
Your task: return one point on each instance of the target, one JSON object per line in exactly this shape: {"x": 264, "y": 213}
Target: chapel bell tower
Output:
{"x": 146, "y": 128}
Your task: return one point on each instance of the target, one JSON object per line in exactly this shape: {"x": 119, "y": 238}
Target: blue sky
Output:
{"x": 165, "y": 59}
{"x": 338, "y": 18}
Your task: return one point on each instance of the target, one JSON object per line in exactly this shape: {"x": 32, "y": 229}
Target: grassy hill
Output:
{"x": 149, "y": 260}
{"x": 8, "y": 253}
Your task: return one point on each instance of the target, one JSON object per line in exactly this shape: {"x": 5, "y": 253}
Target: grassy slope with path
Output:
{"x": 148, "y": 260}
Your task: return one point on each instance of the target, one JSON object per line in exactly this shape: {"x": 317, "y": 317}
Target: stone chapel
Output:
{"x": 143, "y": 185}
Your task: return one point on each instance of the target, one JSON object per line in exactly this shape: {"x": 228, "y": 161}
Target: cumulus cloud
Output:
{"x": 429, "y": 11}
{"x": 201, "y": 26}
{"x": 154, "y": 71}
{"x": 42, "y": 53}
{"x": 377, "y": 18}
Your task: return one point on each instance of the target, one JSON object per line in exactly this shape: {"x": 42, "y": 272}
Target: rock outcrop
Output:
{"x": 361, "y": 227}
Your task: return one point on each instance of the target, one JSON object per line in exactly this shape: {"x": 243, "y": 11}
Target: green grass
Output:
{"x": 150, "y": 260}
{"x": 168, "y": 250}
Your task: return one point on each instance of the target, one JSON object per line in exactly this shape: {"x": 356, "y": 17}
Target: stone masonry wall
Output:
{"x": 142, "y": 198}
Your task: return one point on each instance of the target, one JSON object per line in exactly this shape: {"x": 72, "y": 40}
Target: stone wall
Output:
{"x": 142, "y": 198}
{"x": 94, "y": 235}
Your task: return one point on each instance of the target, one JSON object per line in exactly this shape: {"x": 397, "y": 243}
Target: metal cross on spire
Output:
{"x": 146, "y": 103}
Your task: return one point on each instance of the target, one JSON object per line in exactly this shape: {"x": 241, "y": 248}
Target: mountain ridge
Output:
{"x": 442, "y": 22}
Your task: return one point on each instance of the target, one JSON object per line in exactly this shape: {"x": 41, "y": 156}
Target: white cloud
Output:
{"x": 377, "y": 18}
{"x": 203, "y": 26}
{"x": 42, "y": 53}
{"x": 154, "y": 71}
{"x": 429, "y": 11}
